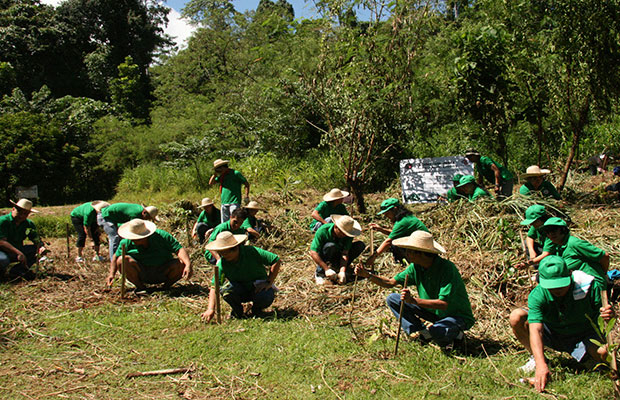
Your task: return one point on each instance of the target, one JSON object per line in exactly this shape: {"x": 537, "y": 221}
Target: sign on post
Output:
{"x": 423, "y": 180}
{"x": 27, "y": 192}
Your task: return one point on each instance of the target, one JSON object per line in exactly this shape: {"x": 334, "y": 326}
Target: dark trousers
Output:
{"x": 235, "y": 293}
{"x": 81, "y": 235}
{"x": 331, "y": 254}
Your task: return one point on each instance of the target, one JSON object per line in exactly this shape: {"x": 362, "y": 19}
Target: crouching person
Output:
{"x": 150, "y": 256}
{"x": 442, "y": 299}
{"x": 245, "y": 269}
{"x": 333, "y": 248}
{"x": 558, "y": 313}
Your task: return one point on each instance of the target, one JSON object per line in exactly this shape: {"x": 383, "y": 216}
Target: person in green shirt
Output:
{"x": 84, "y": 220}
{"x": 442, "y": 298}
{"x": 535, "y": 216}
{"x": 245, "y": 268}
{"x": 208, "y": 219}
{"x": 110, "y": 217}
{"x": 578, "y": 254}
{"x": 253, "y": 226}
{"x": 332, "y": 204}
{"x": 493, "y": 172}
{"x": 469, "y": 189}
{"x": 149, "y": 256}
{"x": 537, "y": 184}
{"x": 333, "y": 249}
{"x": 234, "y": 225}
{"x": 404, "y": 225}
{"x": 230, "y": 182}
{"x": 452, "y": 194}
{"x": 557, "y": 317}
{"x": 15, "y": 227}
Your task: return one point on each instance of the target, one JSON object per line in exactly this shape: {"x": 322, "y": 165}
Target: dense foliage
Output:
{"x": 525, "y": 82}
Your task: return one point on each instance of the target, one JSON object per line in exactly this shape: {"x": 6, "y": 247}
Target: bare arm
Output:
{"x": 6, "y": 246}
{"x": 252, "y": 232}
{"x": 315, "y": 214}
{"x": 604, "y": 262}
{"x": 208, "y": 315}
{"x": 184, "y": 257}
{"x": 379, "y": 228}
{"x": 112, "y": 271}
{"x": 376, "y": 279}
{"x": 529, "y": 243}
{"x": 247, "y": 189}
{"x": 317, "y": 259}
{"x": 212, "y": 179}
{"x": 273, "y": 272}
{"x": 497, "y": 173}
{"x": 536, "y": 344}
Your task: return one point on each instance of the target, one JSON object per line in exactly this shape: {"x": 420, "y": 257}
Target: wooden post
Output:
{"x": 614, "y": 365}
{"x": 218, "y": 311}
{"x": 68, "y": 247}
{"x": 372, "y": 242}
{"x": 400, "y": 319}
{"x": 527, "y": 267}
{"x": 123, "y": 270}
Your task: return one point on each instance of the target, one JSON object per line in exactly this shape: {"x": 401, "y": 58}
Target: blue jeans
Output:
{"x": 235, "y": 293}
{"x": 111, "y": 229}
{"x": 30, "y": 251}
{"x": 227, "y": 209}
{"x": 201, "y": 230}
{"x": 318, "y": 224}
{"x": 443, "y": 331}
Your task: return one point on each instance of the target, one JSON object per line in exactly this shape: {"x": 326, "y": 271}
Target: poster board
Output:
{"x": 424, "y": 179}
{"x": 27, "y": 192}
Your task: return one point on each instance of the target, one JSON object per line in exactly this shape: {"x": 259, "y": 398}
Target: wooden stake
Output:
{"x": 218, "y": 311}
{"x": 160, "y": 372}
{"x": 123, "y": 270}
{"x": 400, "y": 319}
{"x": 68, "y": 247}
{"x": 614, "y": 365}
{"x": 527, "y": 267}
{"x": 372, "y": 242}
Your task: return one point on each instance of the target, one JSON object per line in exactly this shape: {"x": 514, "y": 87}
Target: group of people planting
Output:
{"x": 571, "y": 273}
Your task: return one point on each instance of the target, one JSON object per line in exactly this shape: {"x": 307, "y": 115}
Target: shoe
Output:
{"x": 98, "y": 259}
{"x": 528, "y": 367}
{"x": 79, "y": 260}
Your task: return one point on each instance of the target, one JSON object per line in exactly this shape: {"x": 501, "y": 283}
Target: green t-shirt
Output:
{"x": 161, "y": 249}
{"x": 326, "y": 209}
{"x": 453, "y": 195}
{"x": 540, "y": 238}
{"x": 223, "y": 227}
{"x": 583, "y": 256}
{"x": 212, "y": 220}
{"x": 119, "y": 213}
{"x": 326, "y": 234}
{"x": 15, "y": 234}
{"x": 251, "y": 266}
{"x": 230, "y": 186}
{"x": 564, "y": 315}
{"x": 86, "y": 212}
{"x": 442, "y": 281}
{"x": 478, "y": 193}
{"x": 249, "y": 222}
{"x": 546, "y": 190}
{"x": 484, "y": 168}
{"x": 406, "y": 226}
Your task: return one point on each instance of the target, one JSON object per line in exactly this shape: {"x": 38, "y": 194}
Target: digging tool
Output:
{"x": 372, "y": 242}
{"x": 614, "y": 365}
{"x": 123, "y": 270}
{"x": 527, "y": 268}
{"x": 400, "y": 319}
{"x": 218, "y": 311}
{"x": 68, "y": 247}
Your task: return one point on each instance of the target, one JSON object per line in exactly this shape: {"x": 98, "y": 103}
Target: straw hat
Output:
{"x": 347, "y": 225}
{"x": 226, "y": 240}
{"x": 152, "y": 211}
{"x": 253, "y": 205}
{"x": 335, "y": 194}
{"x": 472, "y": 152}
{"x": 136, "y": 229}
{"x": 534, "y": 170}
{"x": 219, "y": 162}
{"x": 99, "y": 205}
{"x": 205, "y": 202}
{"x": 24, "y": 204}
{"x": 420, "y": 240}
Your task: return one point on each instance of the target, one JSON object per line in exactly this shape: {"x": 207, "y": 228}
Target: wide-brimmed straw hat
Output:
{"x": 471, "y": 152}
{"x": 99, "y": 205}
{"x": 421, "y": 241}
{"x": 24, "y": 204}
{"x": 253, "y": 205}
{"x": 335, "y": 194}
{"x": 205, "y": 202}
{"x": 219, "y": 162}
{"x": 347, "y": 225}
{"x": 534, "y": 170}
{"x": 152, "y": 211}
{"x": 226, "y": 240}
{"x": 136, "y": 229}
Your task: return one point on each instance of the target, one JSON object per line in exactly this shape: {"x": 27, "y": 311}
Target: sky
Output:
{"x": 181, "y": 30}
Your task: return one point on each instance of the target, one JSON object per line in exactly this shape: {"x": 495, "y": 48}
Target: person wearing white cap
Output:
{"x": 235, "y": 225}
{"x": 442, "y": 298}
{"x": 150, "y": 256}
{"x": 208, "y": 219}
{"x": 559, "y": 315}
{"x": 245, "y": 268}
{"x": 333, "y": 249}
{"x": 84, "y": 220}
{"x": 536, "y": 183}
{"x": 110, "y": 217}
{"x": 332, "y": 204}
{"x": 14, "y": 228}
{"x": 230, "y": 182}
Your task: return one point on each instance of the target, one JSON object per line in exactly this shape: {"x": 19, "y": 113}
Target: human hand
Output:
{"x": 330, "y": 274}
{"x": 109, "y": 280}
{"x": 187, "y": 272}
{"x": 405, "y": 296}
{"x": 21, "y": 257}
{"x": 373, "y": 226}
{"x": 261, "y": 286}
{"x": 207, "y": 316}
{"x": 607, "y": 312}
{"x": 361, "y": 271}
{"x": 42, "y": 250}
{"x": 520, "y": 265}
{"x": 342, "y": 276}
{"x": 542, "y": 376}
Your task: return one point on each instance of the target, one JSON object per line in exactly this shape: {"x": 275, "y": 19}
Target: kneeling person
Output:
{"x": 442, "y": 300}
{"x": 245, "y": 269}
{"x": 150, "y": 256}
{"x": 559, "y": 308}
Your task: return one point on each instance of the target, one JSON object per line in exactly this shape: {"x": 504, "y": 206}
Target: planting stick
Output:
{"x": 218, "y": 311}
{"x": 614, "y": 365}
{"x": 400, "y": 319}
{"x": 123, "y": 270}
{"x": 68, "y": 247}
{"x": 527, "y": 267}
{"x": 160, "y": 372}
{"x": 372, "y": 242}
